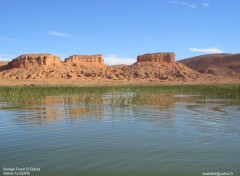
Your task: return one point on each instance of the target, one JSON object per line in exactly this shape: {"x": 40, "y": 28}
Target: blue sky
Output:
{"x": 119, "y": 29}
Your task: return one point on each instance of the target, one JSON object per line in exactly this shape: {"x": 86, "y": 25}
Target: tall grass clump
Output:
{"x": 119, "y": 95}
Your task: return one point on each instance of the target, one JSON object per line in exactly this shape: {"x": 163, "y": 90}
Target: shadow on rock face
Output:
{"x": 4, "y": 67}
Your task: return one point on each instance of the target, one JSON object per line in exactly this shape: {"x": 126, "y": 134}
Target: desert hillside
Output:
{"x": 150, "y": 67}
{"x": 227, "y": 65}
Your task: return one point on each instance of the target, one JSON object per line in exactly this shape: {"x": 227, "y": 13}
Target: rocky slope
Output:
{"x": 149, "y": 67}
{"x": 227, "y": 65}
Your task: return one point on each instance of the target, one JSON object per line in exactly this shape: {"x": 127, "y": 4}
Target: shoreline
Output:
{"x": 99, "y": 83}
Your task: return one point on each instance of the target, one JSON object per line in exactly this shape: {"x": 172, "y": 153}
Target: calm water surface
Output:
{"x": 170, "y": 135}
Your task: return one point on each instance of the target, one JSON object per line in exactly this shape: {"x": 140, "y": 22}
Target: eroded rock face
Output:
{"x": 89, "y": 59}
{"x": 32, "y": 60}
{"x": 166, "y": 57}
{"x": 149, "y": 67}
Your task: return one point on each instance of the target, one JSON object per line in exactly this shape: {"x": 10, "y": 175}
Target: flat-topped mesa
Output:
{"x": 32, "y": 60}
{"x": 162, "y": 57}
{"x": 87, "y": 59}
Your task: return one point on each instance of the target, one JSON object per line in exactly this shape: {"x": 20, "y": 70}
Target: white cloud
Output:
{"x": 59, "y": 34}
{"x": 205, "y": 4}
{"x": 6, "y": 39}
{"x": 114, "y": 60}
{"x": 173, "y": 2}
{"x": 182, "y": 3}
{"x": 192, "y": 6}
{"x": 206, "y": 50}
{"x": 149, "y": 40}
{"x": 5, "y": 57}
{"x": 187, "y": 4}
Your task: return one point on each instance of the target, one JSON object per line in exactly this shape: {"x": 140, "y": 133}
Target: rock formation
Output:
{"x": 88, "y": 59}
{"x": 157, "y": 67}
{"x": 149, "y": 67}
{"x": 32, "y": 60}
{"x": 165, "y": 57}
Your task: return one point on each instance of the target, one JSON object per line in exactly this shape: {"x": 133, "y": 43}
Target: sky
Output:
{"x": 119, "y": 29}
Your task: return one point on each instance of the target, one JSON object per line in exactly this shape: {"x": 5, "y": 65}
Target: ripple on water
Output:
{"x": 173, "y": 134}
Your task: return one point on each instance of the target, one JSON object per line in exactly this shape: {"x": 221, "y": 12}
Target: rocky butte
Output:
{"x": 152, "y": 67}
{"x": 33, "y": 60}
{"x": 96, "y": 59}
{"x": 162, "y": 57}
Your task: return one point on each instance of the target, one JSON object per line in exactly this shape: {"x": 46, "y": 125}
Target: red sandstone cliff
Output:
{"x": 86, "y": 59}
{"x": 32, "y": 60}
{"x": 151, "y": 67}
{"x": 163, "y": 57}
{"x": 157, "y": 67}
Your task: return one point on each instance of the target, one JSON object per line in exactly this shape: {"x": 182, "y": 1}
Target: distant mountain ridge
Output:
{"x": 223, "y": 64}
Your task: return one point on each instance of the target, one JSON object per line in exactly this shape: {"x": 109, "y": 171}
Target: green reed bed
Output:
{"x": 120, "y": 95}
{"x": 26, "y": 95}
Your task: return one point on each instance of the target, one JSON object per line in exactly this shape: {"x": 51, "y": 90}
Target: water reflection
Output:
{"x": 159, "y": 134}
{"x": 71, "y": 107}
{"x": 115, "y": 106}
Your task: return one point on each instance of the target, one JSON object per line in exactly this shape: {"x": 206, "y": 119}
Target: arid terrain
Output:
{"x": 151, "y": 68}
{"x": 227, "y": 65}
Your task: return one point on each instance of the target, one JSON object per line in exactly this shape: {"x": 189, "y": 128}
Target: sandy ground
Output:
{"x": 9, "y": 82}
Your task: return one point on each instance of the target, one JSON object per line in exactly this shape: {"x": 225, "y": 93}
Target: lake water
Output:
{"x": 170, "y": 135}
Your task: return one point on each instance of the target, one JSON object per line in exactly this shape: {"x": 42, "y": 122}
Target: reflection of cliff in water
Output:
{"x": 58, "y": 108}
{"x": 98, "y": 108}
{"x": 150, "y": 107}
{"x": 195, "y": 104}
{"x": 163, "y": 101}
{"x": 161, "y": 109}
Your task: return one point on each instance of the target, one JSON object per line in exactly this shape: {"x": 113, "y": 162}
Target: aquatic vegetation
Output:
{"x": 117, "y": 95}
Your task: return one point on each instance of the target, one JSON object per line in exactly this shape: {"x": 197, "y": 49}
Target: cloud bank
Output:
{"x": 206, "y": 50}
{"x": 114, "y": 60}
{"x": 59, "y": 34}
{"x": 4, "y": 57}
{"x": 6, "y": 39}
{"x": 187, "y": 4}
{"x": 205, "y": 4}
